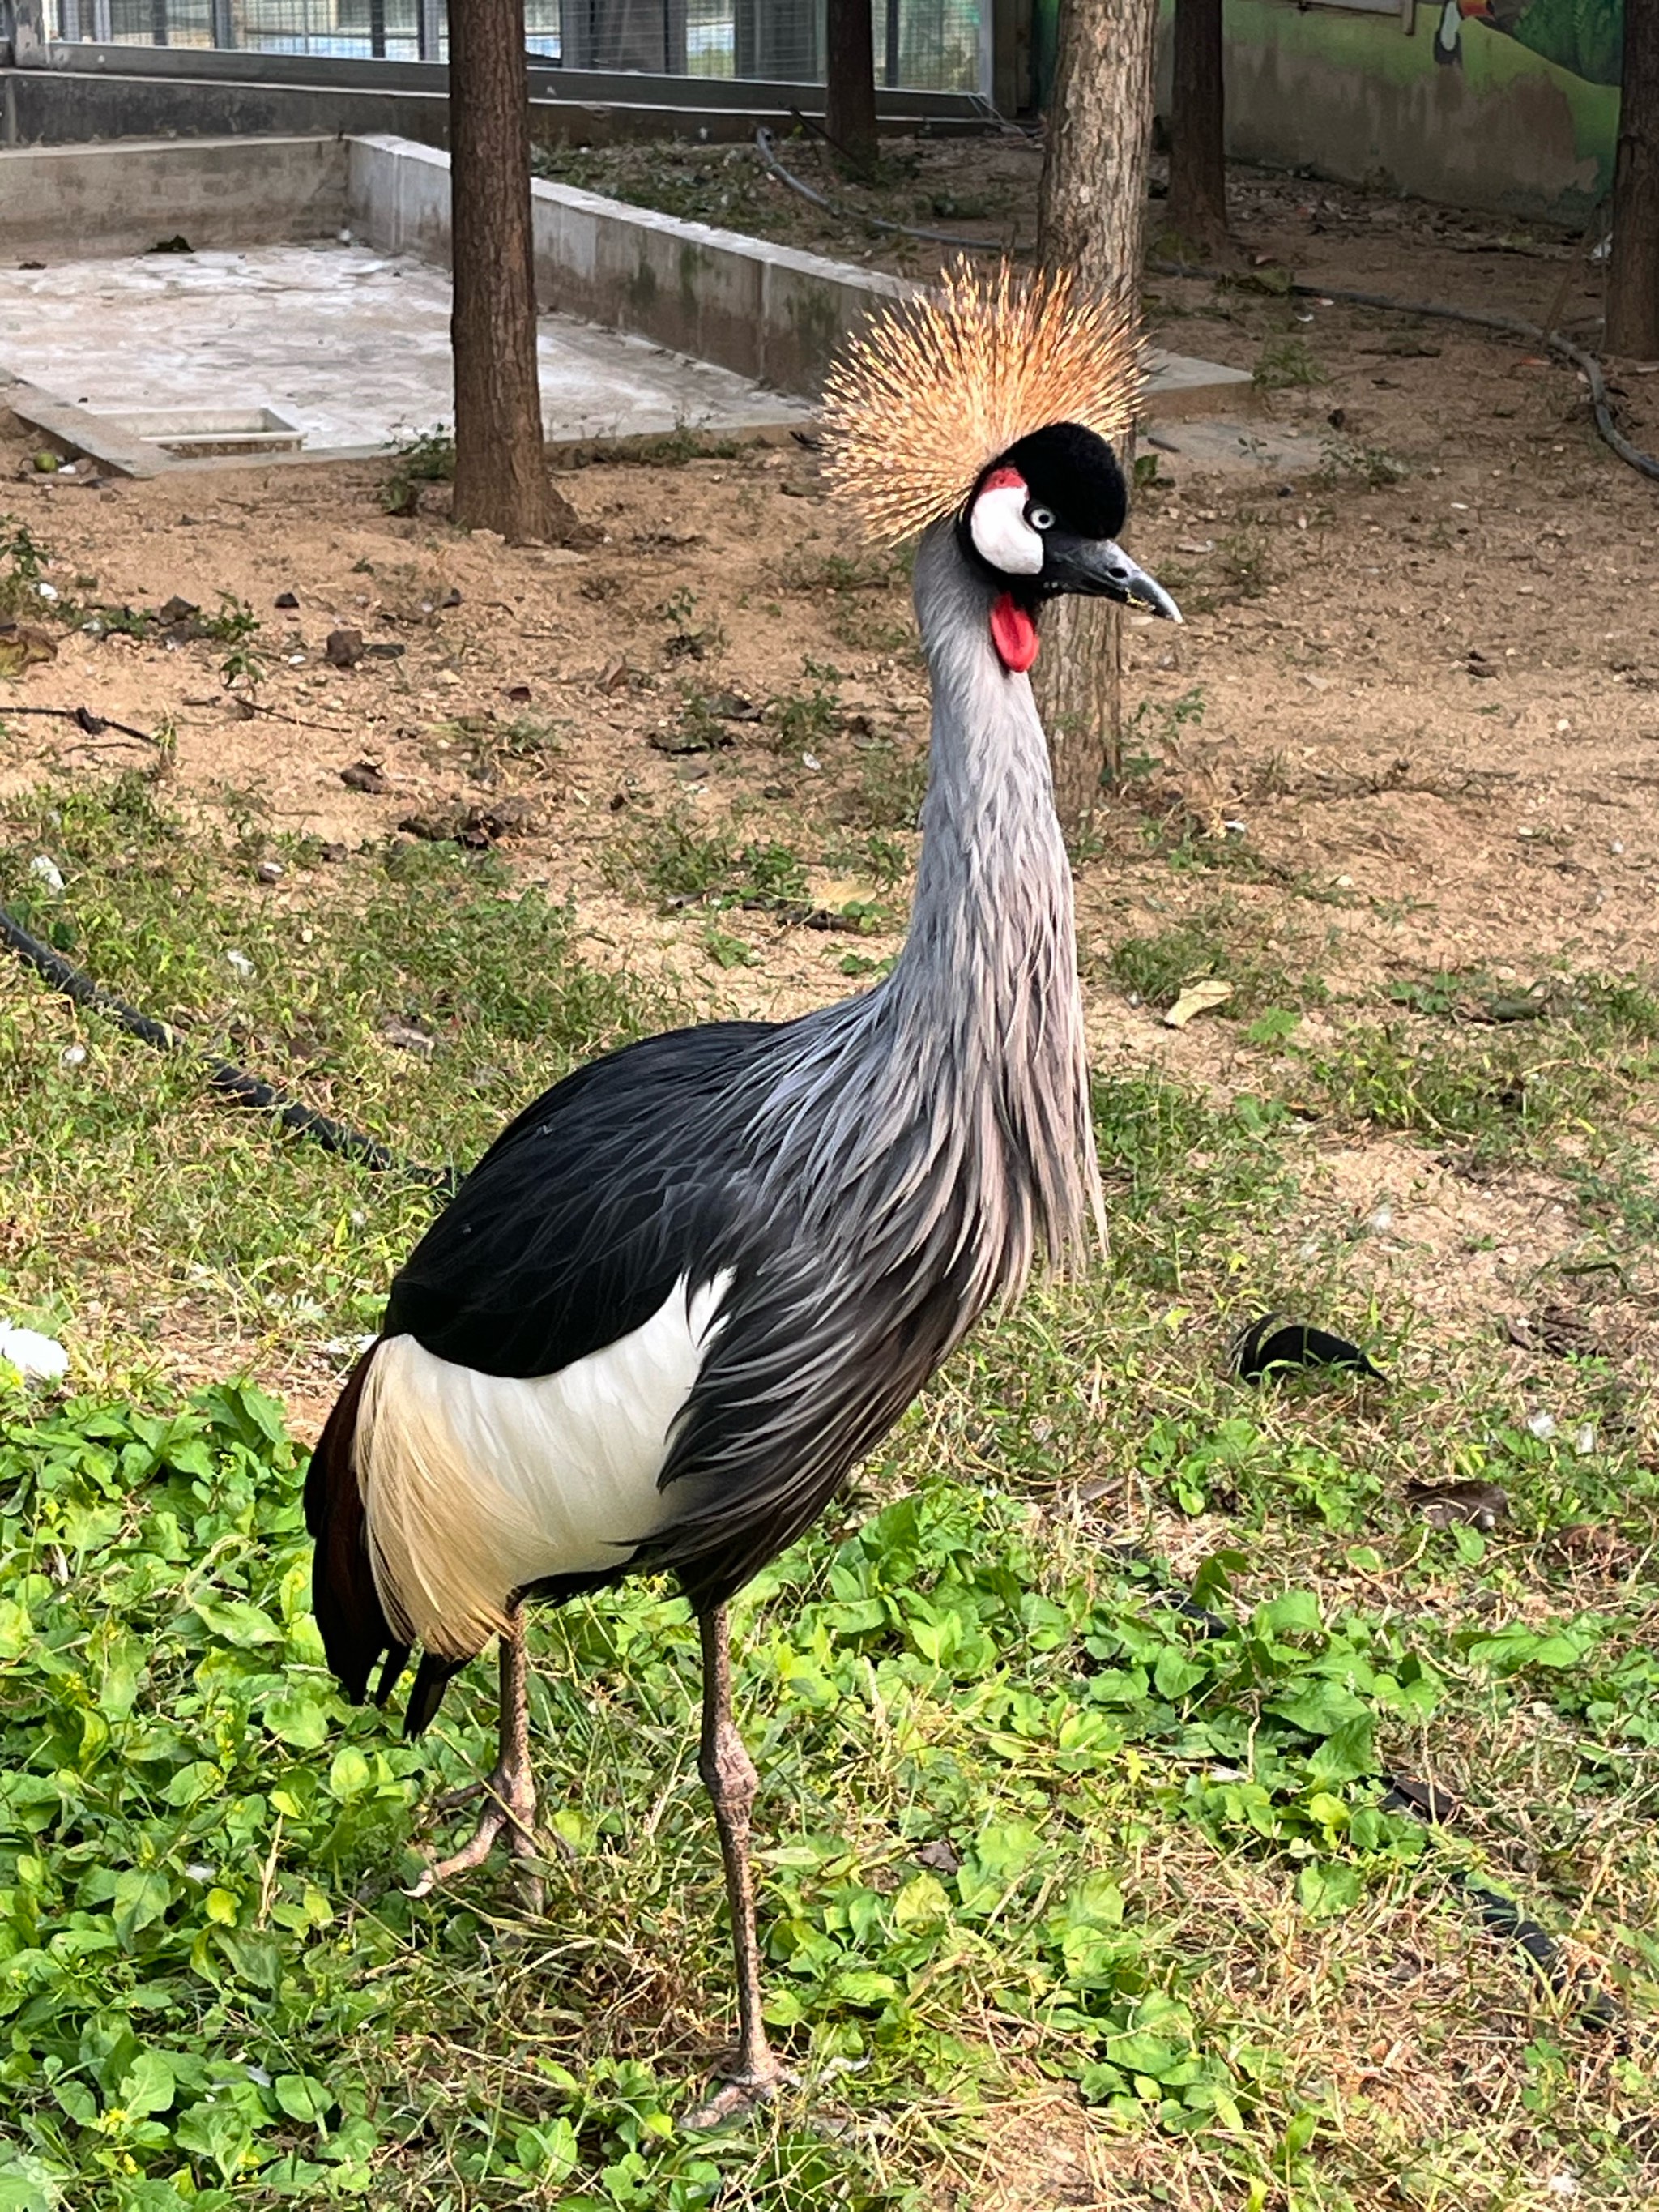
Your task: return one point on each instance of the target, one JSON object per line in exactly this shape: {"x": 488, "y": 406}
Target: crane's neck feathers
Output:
{"x": 955, "y": 1094}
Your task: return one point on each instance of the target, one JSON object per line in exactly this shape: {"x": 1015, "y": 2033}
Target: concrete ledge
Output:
{"x": 62, "y": 201}
{"x": 49, "y": 107}
{"x": 763, "y": 310}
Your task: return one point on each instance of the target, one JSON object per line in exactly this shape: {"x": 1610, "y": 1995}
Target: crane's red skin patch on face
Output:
{"x": 1014, "y": 633}
{"x": 999, "y": 480}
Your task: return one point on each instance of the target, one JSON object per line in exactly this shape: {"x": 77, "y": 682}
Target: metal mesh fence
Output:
{"x": 921, "y": 45}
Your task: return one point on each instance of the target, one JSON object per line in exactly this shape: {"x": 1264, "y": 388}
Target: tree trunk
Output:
{"x": 1633, "y": 274}
{"x": 500, "y": 467}
{"x": 1093, "y": 220}
{"x": 849, "y": 104}
{"x": 1198, "y": 165}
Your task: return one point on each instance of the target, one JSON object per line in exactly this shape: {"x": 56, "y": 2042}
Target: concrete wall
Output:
{"x": 60, "y": 200}
{"x": 1358, "y": 97}
{"x": 761, "y": 309}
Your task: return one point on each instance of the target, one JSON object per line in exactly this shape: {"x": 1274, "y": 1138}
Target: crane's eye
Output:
{"x": 1040, "y": 518}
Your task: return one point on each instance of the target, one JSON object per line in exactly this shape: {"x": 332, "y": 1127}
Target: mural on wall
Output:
{"x": 1584, "y": 37}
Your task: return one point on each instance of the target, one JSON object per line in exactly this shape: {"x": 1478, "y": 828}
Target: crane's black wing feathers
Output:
{"x": 584, "y": 1213}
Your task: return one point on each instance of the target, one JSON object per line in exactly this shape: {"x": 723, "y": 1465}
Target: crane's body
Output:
{"x": 689, "y": 1288}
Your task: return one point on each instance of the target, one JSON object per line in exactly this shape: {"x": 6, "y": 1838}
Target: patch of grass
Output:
{"x": 1505, "y": 1087}
{"x": 22, "y": 568}
{"x": 804, "y": 721}
{"x": 1245, "y": 558}
{"x": 683, "y": 863}
{"x": 688, "y": 639}
{"x": 1371, "y": 468}
{"x": 890, "y": 781}
{"x": 189, "y": 1197}
{"x": 1157, "y": 968}
{"x": 1073, "y": 1719}
{"x": 423, "y": 458}
{"x": 865, "y": 594}
{"x": 1285, "y": 364}
{"x": 721, "y": 184}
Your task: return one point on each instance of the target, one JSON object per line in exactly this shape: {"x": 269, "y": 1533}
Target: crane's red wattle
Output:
{"x": 1014, "y": 635}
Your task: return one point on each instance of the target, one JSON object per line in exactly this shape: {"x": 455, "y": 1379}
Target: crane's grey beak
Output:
{"x": 1098, "y": 568}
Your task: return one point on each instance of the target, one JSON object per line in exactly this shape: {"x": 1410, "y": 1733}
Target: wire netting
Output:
{"x": 922, "y": 44}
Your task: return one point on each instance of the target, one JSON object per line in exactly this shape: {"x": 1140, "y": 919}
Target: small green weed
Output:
{"x": 426, "y": 457}
{"x": 688, "y": 639}
{"x": 23, "y": 566}
{"x": 1286, "y": 363}
{"x": 683, "y": 865}
{"x": 1371, "y": 468}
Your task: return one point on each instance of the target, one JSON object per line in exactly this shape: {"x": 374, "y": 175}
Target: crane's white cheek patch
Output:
{"x": 1001, "y": 534}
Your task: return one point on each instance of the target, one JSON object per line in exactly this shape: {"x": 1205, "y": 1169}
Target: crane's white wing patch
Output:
{"x": 474, "y": 1485}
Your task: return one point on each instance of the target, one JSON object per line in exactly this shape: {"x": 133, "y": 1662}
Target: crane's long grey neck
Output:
{"x": 985, "y": 990}
{"x": 952, "y": 1099}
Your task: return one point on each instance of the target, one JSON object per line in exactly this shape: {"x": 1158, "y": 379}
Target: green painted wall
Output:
{"x": 1518, "y": 112}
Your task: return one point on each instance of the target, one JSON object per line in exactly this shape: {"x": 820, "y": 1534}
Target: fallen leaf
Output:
{"x": 1445, "y": 1504}
{"x": 939, "y": 1857}
{"x": 407, "y": 1038}
{"x": 21, "y": 645}
{"x": 1198, "y": 999}
{"x": 475, "y": 825}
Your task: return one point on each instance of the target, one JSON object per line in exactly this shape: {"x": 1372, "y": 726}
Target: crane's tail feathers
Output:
{"x": 431, "y": 1679}
{"x": 360, "y": 1616}
{"x": 353, "y": 1626}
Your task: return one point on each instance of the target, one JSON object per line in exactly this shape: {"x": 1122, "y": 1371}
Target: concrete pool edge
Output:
{"x": 768, "y": 313}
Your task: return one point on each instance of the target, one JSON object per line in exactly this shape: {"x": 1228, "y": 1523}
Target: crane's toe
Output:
{"x": 737, "y": 2096}
{"x": 510, "y": 1794}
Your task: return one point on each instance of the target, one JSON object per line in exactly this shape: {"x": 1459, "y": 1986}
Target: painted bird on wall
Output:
{"x": 1585, "y": 37}
{"x": 689, "y": 1288}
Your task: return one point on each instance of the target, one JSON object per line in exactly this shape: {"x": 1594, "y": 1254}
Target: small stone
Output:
{"x": 286, "y": 599}
{"x": 36, "y": 1357}
{"x": 271, "y": 872}
{"x": 72, "y": 1055}
{"x": 344, "y": 648}
{"x": 407, "y": 1038}
{"x": 939, "y": 1857}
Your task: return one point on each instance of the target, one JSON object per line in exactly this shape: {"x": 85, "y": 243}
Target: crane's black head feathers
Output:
{"x": 1043, "y": 519}
{"x": 1074, "y": 473}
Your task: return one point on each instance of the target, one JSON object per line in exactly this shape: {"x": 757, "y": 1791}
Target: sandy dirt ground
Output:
{"x": 1417, "y": 694}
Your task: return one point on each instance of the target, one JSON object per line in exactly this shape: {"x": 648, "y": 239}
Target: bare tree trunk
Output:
{"x": 1093, "y": 220}
{"x": 1198, "y": 164}
{"x": 500, "y": 467}
{"x": 849, "y": 104}
{"x": 1633, "y": 274}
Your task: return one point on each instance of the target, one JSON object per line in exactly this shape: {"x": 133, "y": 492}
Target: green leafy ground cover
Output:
{"x": 1067, "y": 1885}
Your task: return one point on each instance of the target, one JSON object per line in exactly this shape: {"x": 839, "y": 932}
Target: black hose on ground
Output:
{"x": 229, "y": 1081}
{"x": 764, "y": 148}
{"x": 1514, "y": 327}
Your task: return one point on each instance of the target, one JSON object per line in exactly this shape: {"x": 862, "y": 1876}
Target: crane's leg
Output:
{"x": 511, "y": 1787}
{"x": 728, "y": 1775}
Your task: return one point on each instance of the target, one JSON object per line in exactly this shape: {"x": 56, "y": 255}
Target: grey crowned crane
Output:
{"x": 691, "y": 1287}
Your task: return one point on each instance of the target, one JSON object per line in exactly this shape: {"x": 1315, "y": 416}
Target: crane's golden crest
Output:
{"x": 938, "y": 386}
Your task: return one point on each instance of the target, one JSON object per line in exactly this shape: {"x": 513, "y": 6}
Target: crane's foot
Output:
{"x": 510, "y": 1791}
{"x": 739, "y": 2096}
